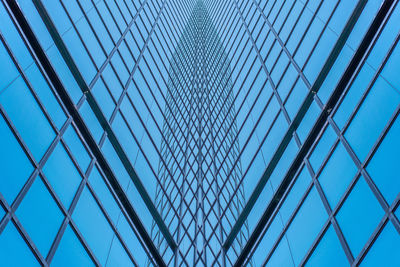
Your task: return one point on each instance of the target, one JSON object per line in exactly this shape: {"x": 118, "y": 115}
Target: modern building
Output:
{"x": 199, "y": 133}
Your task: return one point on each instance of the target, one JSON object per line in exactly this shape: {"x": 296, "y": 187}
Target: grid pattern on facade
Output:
{"x": 157, "y": 132}
{"x": 200, "y": 149}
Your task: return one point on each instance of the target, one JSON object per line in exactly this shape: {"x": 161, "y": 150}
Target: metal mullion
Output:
{"x": 145, "y": 128}
{"x": 237, "y": 94}
{"x": 264, "y": 66}
{"x": 27, "y": 82}
{"x": 176, "y": 11}
{"x": 103, "y": 210}
{"x": 121, "y": 14}
{"x": 126, "y": 86}
{"x": 219, "y": 19}
{"x": 290, "y": 219}
{"x": 231, "y": 87}
{"x": 278, "y": 12}
{"x": 182, "y": 188}
{"x": 331, "y": 212}
{"x": 270, "y": 10}
{"x": 284, "y": 48}
{"x": 116, "y": 45}
{"x": 241, "y": 151}
{"x": 113, "y": 17}
{"x": 139, "y": 145}
{"x": 370, "y": 84}
{"x": 165, "y": 120}
{"x": 164, "y": 81}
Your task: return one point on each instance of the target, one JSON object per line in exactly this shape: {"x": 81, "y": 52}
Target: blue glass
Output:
{"x": 308, "y": 42}
{"x": 125, "y": 137}
{"x": 103, "y": 98}
{"x": 62, "y": 174}
{"x": 2, "y": 212}
{"x": 70, "y": 251}
{"x": 121, "y": 68}
{"x": 14, "y": 41}
{"x": 306, "y": 225}
{"x": 13, "y": 249}
{"x": 64, "y": 73}
{"x": 8, "y": 71}
{"x": 326, "y": 9}
{"x": 296, "y": 98}
{"x": 118, "y": 255}
{"x": 336, "y": 71}
{"x": 40, "y": 216}
{"x": 90, "y": 41}
{"x": 329, "y": 252}
{"x": 359, "y": 216}
{"x": 353, "y": 95}
{"x": 15, "y": 166}
{"x": 281, "y": 256}
{"x": 321, "y": 150}
{"x": 342, "y": 13}
{"x": 379, "y": 104}
{"x": 78, "y": 150}
{"x": 103, "y": 192}
{"x": 116, "y": 164}
{"x": 91, "y": 222}
{"x": 287, "y": 81}
{"x": 36, "y": 22}
{"x": 363, "y": 22}
{"x": 79, "y": 54}
{"x": 383, "y": 166}
{"x": 295, "y": 194}
{"x": 99, "y": 28}
{"x": 385, "y": 40}
{"x": 308, "y": 121}
{"x": 46, "y": 95}
{"x": 60, "y": 18}
{"x": 386, "y": 249}
{"x": 35, "y": 128}
{"x": 112, "y": 82}
{"x": 389, "y": 71}
{"x": 337, "y": 175}
{"x": 91, "y": 121}
{"x": 132, "y": 241}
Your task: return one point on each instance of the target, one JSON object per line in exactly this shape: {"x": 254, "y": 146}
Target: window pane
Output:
{"x": 383, "y": 167}
{"x": 386, "y": 249}
{"x": 93, "y": 225}
{"x": 77, "y": 148}
{"x": 306, "y": 225}
{"x": 118, "y": 255}
{"x": 34, "y": 129}
{"x": 70, "y": 251}
{"x": 13, "y": 249}
{"x": 328, "y": 251}
{"x": 337, "y": 175}
{"x": 379, "y": 104}
{"x": 15, "y": 166}
{"x": 359, "y": 216}
{"x": 62, "y": 174}
{"x": 40, "y": 216}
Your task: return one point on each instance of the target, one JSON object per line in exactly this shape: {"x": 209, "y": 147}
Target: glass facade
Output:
{"x": 199, "y": 133}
